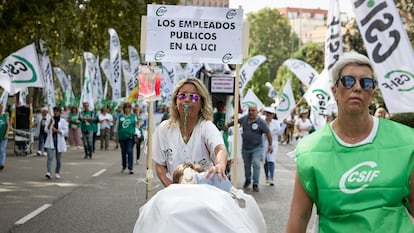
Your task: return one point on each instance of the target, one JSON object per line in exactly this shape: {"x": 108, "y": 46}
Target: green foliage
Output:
{"x": 71, "y": 27}
{"x": 404, "y": 118}
{"x": 270, "y": 35}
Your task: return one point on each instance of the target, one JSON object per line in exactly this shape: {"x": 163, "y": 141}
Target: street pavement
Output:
{"x": 94, "y": 196}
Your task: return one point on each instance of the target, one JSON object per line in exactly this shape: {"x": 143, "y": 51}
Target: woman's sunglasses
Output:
{"x": 348, "y": 81}
{"x": 194, "y": 97}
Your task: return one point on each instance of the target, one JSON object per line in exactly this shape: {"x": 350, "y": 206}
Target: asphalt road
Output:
{"x": 94, "y": 196}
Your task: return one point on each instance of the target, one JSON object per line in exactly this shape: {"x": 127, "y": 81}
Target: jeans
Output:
{"x": 127, "y": 150}
{"x": 87, "y": 143}
{"x": 251, "y": 158}
{"x": 42, "y": 139}
{"x": 269, "y": 168}
{"x": 105, "y": 138}
{"x": 3, "y": 146}
{"x": 50, "y": 153}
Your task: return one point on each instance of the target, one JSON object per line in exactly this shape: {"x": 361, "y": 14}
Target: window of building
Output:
{"x": 306, "y": 15}
{"x": 292, "y": 15}
{"x": 319, "y": 16}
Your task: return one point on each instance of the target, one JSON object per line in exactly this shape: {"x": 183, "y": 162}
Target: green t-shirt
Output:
{"x": 3, "y": 125}
{"x": 361, "y": 188}
{"x": 73, "y": 117}
{"x": 85, "y": 125}
{"x": 126, "y": 126}
{"x": 94, "y": 123}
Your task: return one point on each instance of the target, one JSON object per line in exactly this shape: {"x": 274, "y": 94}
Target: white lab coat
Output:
{"x": 63, "y": 129}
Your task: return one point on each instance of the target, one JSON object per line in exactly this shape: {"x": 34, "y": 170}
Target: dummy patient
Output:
{"x": 188, "y": 173}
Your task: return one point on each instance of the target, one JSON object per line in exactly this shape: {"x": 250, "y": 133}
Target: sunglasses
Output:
{"x": 349, "y": 81}
{"x": 194, "y": 97}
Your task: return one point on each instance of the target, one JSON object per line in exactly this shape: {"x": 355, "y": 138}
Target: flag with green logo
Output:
{"x": 20, "y": 70}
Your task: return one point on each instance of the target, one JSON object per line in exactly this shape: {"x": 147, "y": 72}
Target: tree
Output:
{"x": 270, "y": 35}
{"x": 70, "y": 27}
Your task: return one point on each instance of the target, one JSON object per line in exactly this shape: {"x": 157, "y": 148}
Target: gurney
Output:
{"x": 23, "y": 142}
{"x": 200, "y": 208}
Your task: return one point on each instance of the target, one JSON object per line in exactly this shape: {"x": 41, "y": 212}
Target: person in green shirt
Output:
{"x": 86, "y": 117}
{"x": 358, "y": 175}
{"x": 4, "y": 132}
{"x": 125, "y": 131}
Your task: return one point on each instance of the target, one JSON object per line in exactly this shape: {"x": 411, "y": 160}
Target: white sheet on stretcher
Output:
{"x": 199, "y": 208}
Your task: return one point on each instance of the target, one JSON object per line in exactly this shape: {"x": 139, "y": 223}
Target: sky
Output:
{"x": 255, "y": 5}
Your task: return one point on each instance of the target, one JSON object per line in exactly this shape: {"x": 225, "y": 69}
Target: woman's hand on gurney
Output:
{"x": 219, "y": 169}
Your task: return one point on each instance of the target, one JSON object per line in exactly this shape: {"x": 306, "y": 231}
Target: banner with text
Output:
{"x": 247, "y": 70}
{"x": 194, "y": 34}
{"x": 389, "y": 50}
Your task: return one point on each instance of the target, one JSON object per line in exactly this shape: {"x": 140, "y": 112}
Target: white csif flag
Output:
{"x": 93, "y": 72}
{"x": 286, "y": 103}
{"x": 250, "y": 99}
{"x": 248, "y": 68}
{"x": 333, "y": 45}
{"x": 319, "y": 97}
{"x": 20, "y": 70}
{"x": 130, "y": 83}
{"x": 305, "y": 72}
{"x": 115, "y": 65}
{"x": 66, "y": 86}
{"x": 134, "y": 63}
{"x": 49, "y": 89}
{"x": 86, "y": 95}
{"x": 389, "y": 50}
{"x": 105, "y": 68}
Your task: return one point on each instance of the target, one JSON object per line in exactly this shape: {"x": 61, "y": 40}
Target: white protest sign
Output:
{"x": 194, "y": 34}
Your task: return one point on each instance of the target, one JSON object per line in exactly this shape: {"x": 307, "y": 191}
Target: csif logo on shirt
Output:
{"x": 126, "y": 123}
{"x": 359, "y": 176}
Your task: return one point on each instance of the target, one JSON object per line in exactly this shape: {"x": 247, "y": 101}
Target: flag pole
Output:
{"x": 236, "y": 125}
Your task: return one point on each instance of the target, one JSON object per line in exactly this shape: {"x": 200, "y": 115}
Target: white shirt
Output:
{"x": 276, "y": 130}
{"x": 170, "y": 150}
{"x": 303, "y": 125}
{"x": 105, "y": 120}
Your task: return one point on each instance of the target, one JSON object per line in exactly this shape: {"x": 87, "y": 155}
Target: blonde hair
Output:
{"x": 206, "y": 106}
{"x": 179, "y": 171}
{"x": 381, "y": 112}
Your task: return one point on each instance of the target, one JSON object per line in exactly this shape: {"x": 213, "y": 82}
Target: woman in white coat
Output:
{"x": 56, "y": 129}
{"x": 269, "y": 158}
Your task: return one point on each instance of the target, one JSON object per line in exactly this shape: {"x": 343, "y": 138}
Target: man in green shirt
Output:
{"x": 86, "y": 118}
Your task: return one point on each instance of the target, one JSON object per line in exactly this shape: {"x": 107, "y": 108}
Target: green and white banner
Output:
{"x": 305, "y": 72}
{"x": 389, "y": 50}
{"x": 130, "y": 83}
{"x": 105, "y": 68}
{"x": 66, "y": 85}
{"x": 49, "y": 89}
{"x": 20, "y": 70}
{"x": 115, "y": 65}
{"x": 94, "y": 74}
{"x": 333, "y": 45}
{"x": 194, "y": 34}
{"x": 248, "y": 68}
{"x": 250, "y": 99}
{"x": 286, "y": 102}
